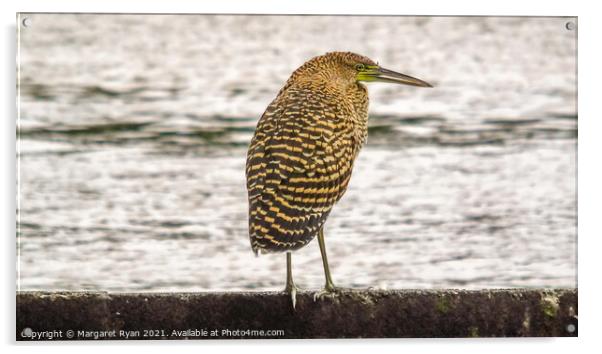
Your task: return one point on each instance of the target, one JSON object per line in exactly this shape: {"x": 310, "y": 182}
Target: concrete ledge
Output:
{"x": 353, "y": 314}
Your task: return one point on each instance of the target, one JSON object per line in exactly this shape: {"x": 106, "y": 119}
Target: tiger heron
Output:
{"x": 300, "y": 159}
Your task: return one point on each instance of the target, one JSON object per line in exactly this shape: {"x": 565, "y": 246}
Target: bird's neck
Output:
{"x": 353, "y": 100}
{"x": 360, "y": 106}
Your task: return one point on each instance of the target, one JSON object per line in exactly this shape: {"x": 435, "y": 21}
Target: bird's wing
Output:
{"x": 298, "y": 166}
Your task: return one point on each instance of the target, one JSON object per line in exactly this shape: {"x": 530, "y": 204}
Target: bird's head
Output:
{"x": 350, "y": 68}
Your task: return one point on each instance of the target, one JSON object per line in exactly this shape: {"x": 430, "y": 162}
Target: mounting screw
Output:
{"x": 570, "y": 25}
{"x": 570, "y": 328}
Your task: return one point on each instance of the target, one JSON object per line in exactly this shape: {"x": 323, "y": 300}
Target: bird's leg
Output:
{"x": 290, "y": 288}
{"x": 329, "y": 288}
{"x": 329, "y": 284}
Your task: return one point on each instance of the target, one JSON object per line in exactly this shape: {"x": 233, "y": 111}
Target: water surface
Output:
{"x": 134, "y": 129}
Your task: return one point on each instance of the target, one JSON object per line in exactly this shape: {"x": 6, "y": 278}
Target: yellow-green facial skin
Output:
{"x": 367, "y": 73}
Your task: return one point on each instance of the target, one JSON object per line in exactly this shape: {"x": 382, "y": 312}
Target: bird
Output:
{"x": 302, "y": 153}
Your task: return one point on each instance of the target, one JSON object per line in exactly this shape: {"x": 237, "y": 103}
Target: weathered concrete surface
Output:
{"x": 353, "y": 314}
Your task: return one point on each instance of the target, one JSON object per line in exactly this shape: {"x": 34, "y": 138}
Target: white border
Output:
{"x": 589, "y": 160}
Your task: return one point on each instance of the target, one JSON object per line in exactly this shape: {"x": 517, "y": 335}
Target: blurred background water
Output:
{"x": 133, "y": 133}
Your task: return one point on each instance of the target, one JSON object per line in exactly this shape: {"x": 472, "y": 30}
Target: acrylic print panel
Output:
{"x": 133, "y": 132}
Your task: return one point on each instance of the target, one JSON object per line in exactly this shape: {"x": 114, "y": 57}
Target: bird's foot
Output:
{"x": 330, "y": 291}
{"x": 291, "y": 289}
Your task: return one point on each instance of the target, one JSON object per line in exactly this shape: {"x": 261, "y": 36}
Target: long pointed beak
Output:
{"x": 385, "y": 75}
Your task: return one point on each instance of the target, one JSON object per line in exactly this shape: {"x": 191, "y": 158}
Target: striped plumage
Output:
{"x": 301, "y": 156}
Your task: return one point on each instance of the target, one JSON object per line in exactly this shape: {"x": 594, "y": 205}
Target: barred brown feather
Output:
{"x": 300, "y": 159}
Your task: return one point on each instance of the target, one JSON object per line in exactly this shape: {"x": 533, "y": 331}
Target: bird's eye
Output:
{"x": 360, "y": 67}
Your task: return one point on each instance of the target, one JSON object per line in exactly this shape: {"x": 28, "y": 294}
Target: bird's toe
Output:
{"x": 330, "y": 291}
{"x": 291, "y": 290}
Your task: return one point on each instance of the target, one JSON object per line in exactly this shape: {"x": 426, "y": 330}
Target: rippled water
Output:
{"x": 133, "y": 135}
